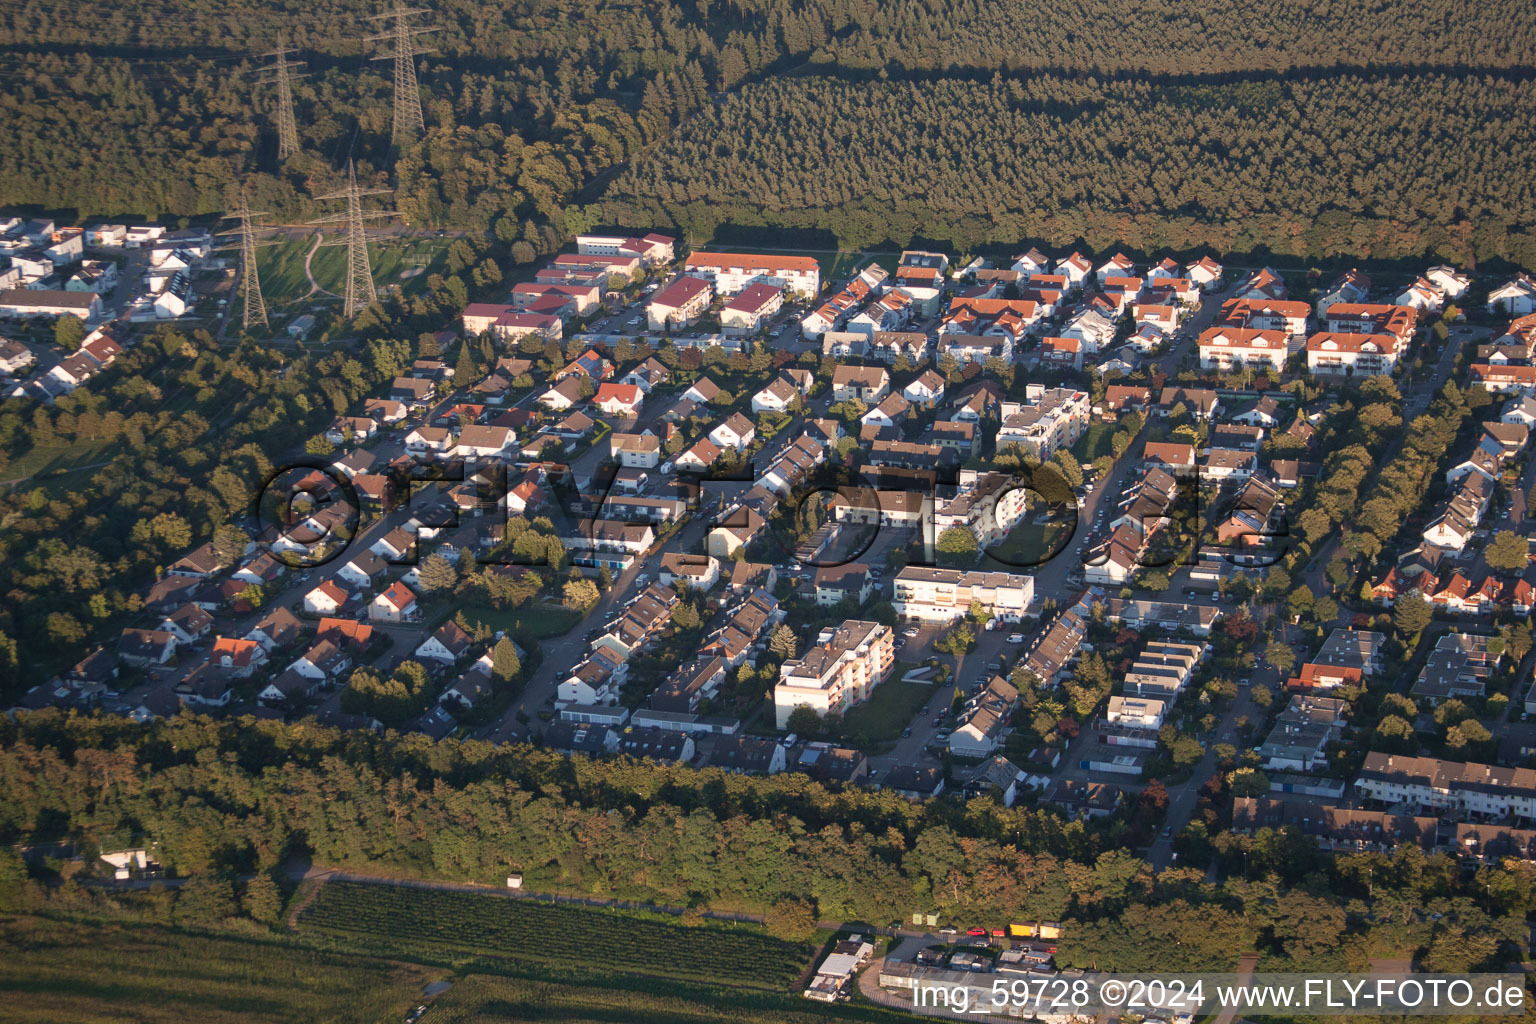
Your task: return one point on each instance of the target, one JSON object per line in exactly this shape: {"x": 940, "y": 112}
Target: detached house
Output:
{"x": 395, "y": 604}
{"x": 446, "y": 645}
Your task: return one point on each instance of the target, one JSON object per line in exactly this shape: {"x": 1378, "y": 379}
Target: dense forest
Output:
{"x": 241, "y": 796}
{"x": 155, "y": 110}
{"x": 1368, "y": 166}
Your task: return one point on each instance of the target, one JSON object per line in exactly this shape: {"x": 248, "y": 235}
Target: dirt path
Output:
{"x": 314, "y": 286}
{"x": 319, "y": 878}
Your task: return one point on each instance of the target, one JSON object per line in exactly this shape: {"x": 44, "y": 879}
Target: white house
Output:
{"x": 1516, "y": 297}
{"x": 736, "y": 432}
{"x": 1449, "y": 280}
{"x": 446, "y": 645}
{"x": 326, "y": 599}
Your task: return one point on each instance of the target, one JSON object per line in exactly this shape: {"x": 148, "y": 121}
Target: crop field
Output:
{"x": 482, "y": 998}
{"x": 492, "y": 931}
{"x": 61, "y": 971}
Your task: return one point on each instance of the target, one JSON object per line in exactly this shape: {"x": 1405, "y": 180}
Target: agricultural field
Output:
{"x": 492, "y": 932}
{"x": 153, "y": 975}
{"x": 483, "y": 998}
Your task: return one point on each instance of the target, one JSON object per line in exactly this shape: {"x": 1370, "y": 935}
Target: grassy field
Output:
{"x": 483, "y": 998}
{"x": 889, "y": 710}
{"x": 1095, "y": 442}
{"x": 491, "y": 932}
{"x": 283, "y": 280}
{"x": 1026, "y": 545}
{"x": 534, "y": 621}
{"x": 61, "y": 971}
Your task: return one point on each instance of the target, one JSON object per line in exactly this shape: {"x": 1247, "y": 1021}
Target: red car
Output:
{"x": 976, "y": 933}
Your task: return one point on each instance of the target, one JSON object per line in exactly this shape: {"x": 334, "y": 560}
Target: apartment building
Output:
{"x": 1458, "y": 786}
{"x": 1052, "y": 419}
{"x": 1458, "y": 668}
{"x": 752, "y": 307}
{"x": 1363, "y": 355}
{"x": 730, "y": 272}
{"x": 840, "y": 671}
{"x": 944, "y": 595}
{"x": 651, "y": 249}
{"x": 1224, "y": 348}
{"x": 678, "y": 304}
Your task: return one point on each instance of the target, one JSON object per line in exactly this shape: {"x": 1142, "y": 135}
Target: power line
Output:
{"x": 250, "y": 279}
{"x": 409, "y": 124}
{"x": 282, "y": 72}
{"x": 360, "y": 291}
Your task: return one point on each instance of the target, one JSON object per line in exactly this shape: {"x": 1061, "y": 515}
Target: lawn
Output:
{"x": 535, "y": 620}
{"x": 889, "y": 710}
{"x": 402, "y": 261}
{"x": 1027, "y": 545}
{"x": 1095, "y": 442}
{"x": 153, "y": 975}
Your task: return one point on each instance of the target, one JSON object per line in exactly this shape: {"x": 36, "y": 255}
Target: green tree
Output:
{"x": 782, "y": 642}
{"x": 957, "y": 546}
{"x": 262, "y": 900}
{"x": 437, "y": 575}
{"x": 68, "y": 332}
{"x": 1410, "y": 614}
{"x": 581, "y": 594}
{"x": 793, "y": 920}
{"x": 1281, "y": 656}
{"x": 204, "y": 900}
{"x": 505, "y": 664}
{"x": 1508, "y": 551}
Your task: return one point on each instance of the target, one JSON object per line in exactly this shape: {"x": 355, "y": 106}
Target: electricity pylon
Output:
{"x": 409, "y": 124}
{"x": 282, "y": 74}
{"x": 360, "y": 291}
{"x": 250, "y": 279}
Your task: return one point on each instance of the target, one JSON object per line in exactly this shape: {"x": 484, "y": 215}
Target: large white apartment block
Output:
{"x": 733, "y": 271}
{"x": 1223, "y": 348}
{"x": 1054, "y": 418}
{"x": 1450, "y": 785}
{"x": 944, "y": 595}
{"x": 990, "y": 508}
{"x": 836, "y": 674}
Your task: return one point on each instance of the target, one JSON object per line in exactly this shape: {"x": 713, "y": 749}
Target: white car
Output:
{"x": 1015, "y": 638}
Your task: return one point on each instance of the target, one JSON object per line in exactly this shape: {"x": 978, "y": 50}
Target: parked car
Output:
{"x": 976, "y": 933}
{"x": 1015, "y": 638}
{"x": 910, "y": 632}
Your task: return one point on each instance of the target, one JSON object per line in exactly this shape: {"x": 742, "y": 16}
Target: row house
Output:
{"x": 1162, "y": 670}
{"x": 1459, "y": 787}
{"x": 840, "y": 308}
{"x": 746, "y": 624}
